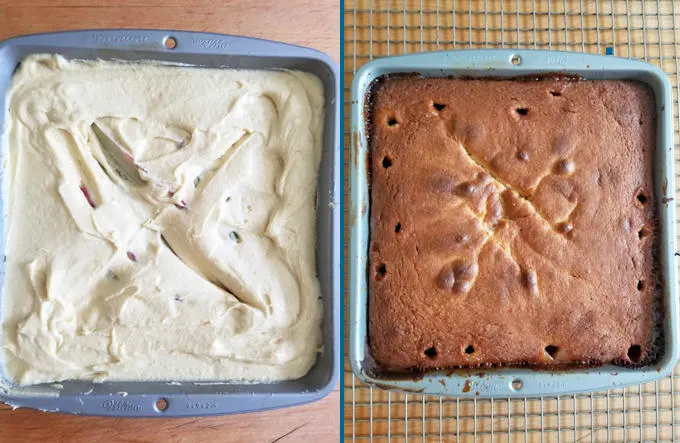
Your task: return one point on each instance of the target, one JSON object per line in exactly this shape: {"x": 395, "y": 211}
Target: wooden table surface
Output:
{"x": 313, "y": 23}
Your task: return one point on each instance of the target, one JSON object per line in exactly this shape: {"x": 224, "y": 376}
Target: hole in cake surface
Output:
{"x": 431, "y": 352}
{"x": 551, "y": 350}
{"x": 516, "y": 384}
{"x": 386, "y": 162}
{"x": 470, "y": 349}
{"x": 392, "y": 121}
{"x": 522, "y": 111}
{"x": 438, "y": 106}
{"x": 642, "y": 198}
{"x": 565, "y": 228}
{"x": 381, "y": 271}
{"x": 643, "y": 232}
{"x": 640, "y": 285}
{"x": 555, "y": 93}
{"x": 635, "y": 353}
{"x": 397, "y": 228}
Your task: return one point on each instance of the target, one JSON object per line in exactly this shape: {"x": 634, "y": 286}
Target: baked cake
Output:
{"x": 512, "y": 223}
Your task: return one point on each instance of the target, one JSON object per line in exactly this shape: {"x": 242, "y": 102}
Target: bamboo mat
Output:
{"x": 649, "y": 31}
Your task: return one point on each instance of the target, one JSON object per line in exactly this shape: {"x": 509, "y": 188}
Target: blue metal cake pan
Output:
{"x": 510, "y": 381}
{"x": 208, "y": 397}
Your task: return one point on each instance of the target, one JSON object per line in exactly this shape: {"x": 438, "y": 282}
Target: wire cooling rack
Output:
{"x": 646, "y": 30}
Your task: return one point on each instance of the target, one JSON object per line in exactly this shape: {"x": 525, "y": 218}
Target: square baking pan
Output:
{"x": 510, "y": 381}
{"x": 175, "y": 398}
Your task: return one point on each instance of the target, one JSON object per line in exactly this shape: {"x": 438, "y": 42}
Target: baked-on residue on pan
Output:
{"x": 511, "y": 223}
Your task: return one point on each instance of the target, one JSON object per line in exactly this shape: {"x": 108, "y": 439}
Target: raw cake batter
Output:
{"x": 159, "y": 222}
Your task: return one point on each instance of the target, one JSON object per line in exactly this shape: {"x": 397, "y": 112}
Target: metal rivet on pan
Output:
{"x": 170, "y": 42}
{"x": 515, "y": 60}
{"x": 161, "y": 405}
{"x": 516, "y": 384}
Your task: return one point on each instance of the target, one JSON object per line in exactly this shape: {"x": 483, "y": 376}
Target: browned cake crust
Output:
{"x": 512, "y": 222}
